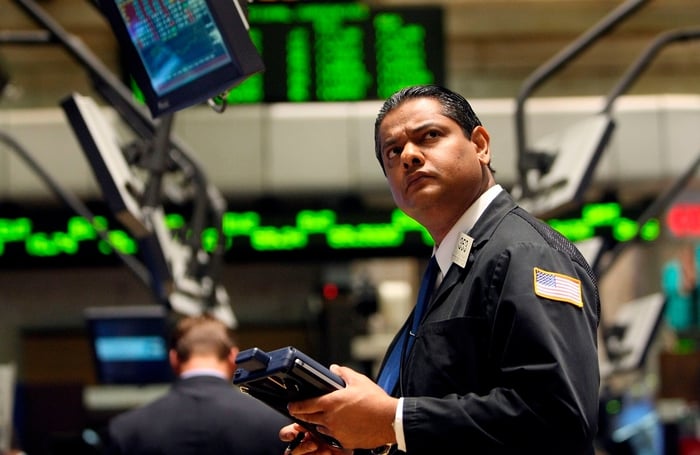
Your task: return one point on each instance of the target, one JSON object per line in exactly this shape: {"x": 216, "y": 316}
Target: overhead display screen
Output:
{"x": 181, "y": 53}
{"x": 341, "y": 51}
{"x": 153, "y": 36}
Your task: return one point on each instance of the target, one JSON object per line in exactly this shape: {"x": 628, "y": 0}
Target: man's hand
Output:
{"x": 358, "y": 416}
{"x": 309, "y": 444}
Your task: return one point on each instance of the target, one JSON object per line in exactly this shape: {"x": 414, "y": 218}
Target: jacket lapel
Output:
{"x": 481, "y": 233}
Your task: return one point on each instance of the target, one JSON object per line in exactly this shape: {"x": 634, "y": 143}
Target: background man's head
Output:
{"x": 202, "y": 342}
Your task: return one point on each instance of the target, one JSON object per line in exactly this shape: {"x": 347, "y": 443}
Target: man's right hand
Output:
{"x": 310, "y": 444}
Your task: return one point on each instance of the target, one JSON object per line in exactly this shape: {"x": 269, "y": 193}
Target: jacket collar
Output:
{"x": 481, "y": 232}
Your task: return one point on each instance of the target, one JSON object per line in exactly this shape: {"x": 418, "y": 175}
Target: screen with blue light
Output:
{"x": 131, "y": 348}
{"x": 177, "y": 41}
{"x": 129, "y": 344}
{"x": 180, "y": 53}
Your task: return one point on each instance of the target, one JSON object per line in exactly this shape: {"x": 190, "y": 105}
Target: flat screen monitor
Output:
{"x": 129, "y": 344}
{"x": 98, "y": 138}
{"x": 183, "y": 52}
{"x": 632, "y": 334}
{"x": 631, "y": 424}
{"x": 576, "y": 152}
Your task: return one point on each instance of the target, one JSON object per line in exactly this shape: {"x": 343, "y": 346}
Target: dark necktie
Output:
{"x": 388, "y": 377}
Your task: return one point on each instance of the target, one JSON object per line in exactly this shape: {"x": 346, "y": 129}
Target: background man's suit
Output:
{"x": 232, "y": 422}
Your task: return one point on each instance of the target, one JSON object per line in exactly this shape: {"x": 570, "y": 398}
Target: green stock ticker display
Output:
{"x": 308, "y": 234}
{"x": 340, "y": 51}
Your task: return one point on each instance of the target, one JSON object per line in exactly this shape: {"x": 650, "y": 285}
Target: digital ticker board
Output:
{"x": 55, "y": 237}
{"x": 341, "y": 51}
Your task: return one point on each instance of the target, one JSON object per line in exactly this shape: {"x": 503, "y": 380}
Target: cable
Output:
{"x": 74, "y": 203}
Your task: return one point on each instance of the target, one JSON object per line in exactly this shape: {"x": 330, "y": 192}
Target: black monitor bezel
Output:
{"x": 232, "y": 24}
{"x": 132, "y": 318}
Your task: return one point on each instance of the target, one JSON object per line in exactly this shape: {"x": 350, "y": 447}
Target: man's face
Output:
{"x": 434, "y": 172}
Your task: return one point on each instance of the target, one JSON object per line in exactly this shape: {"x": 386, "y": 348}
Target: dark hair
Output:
{"x": 201, "y": 335}
{"x": 454, "y": 106}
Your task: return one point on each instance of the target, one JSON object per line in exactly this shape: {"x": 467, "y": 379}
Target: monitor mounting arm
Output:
{"x": 533, "y": 159}
{"x": 163, "y": 150}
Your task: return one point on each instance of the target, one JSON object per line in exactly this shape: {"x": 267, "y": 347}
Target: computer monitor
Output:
{"x": 630, "y": 423}
{"x": 631, "y": 334}
{"x": 167, "y": 259}
{"x": 102, "y": 146}
{"x": 575, "y": 152}
{"x": 129, "y": 344}
{"x": 181, "y": 53}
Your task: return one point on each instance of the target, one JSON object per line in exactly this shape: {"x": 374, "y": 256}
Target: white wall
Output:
{"x": 281, "y": 149}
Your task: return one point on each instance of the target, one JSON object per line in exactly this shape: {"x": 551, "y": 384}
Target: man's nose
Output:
{"x": 412, "y": 155}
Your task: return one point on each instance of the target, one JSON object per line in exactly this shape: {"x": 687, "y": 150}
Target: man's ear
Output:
{"x": 174, "y": 362}
{"x": 232, "y": 356}
{"x": 482, "y": 140}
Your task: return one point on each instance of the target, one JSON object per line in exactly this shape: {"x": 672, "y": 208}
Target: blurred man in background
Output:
{"x": 203, "y": 413}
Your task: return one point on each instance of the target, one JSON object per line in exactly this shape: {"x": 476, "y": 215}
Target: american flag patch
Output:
{"x": 556, "y": 286}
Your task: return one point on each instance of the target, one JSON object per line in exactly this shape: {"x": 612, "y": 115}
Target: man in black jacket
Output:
{"x": 504, "y": 358}
{"x": 202, "y": 413}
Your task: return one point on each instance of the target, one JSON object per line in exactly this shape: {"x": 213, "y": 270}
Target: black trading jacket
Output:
{"x": 497, "y": 368}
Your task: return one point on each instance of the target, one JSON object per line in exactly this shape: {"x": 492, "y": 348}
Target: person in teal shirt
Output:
{"x": 682, "y": 289}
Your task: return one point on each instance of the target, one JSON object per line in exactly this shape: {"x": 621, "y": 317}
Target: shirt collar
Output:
{"x": 443, "y": 253}
{"x": 202, "y": 372}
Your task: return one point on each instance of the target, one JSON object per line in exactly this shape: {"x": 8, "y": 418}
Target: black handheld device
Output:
{"x": 282, "y": 376}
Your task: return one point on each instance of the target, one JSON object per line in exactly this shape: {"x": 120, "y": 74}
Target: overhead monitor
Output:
{"x": 630, "y": 335}
{"x": 182, "y": 53}
{"x": 121, "y": 188}
{"x": 575, "y": 152}
{"x": 129, "y": 344}
{"x": 167, "y": 259}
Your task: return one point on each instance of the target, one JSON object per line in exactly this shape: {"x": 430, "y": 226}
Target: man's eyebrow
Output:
{"x": 391, "y": 140}
{"x": 425, "y": 125}
{"x": 428, "y": 124}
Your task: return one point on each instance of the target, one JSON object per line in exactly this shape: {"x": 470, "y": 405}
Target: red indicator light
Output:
{"x": 683, "y": 220}
{"x": 330, "y": 291}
